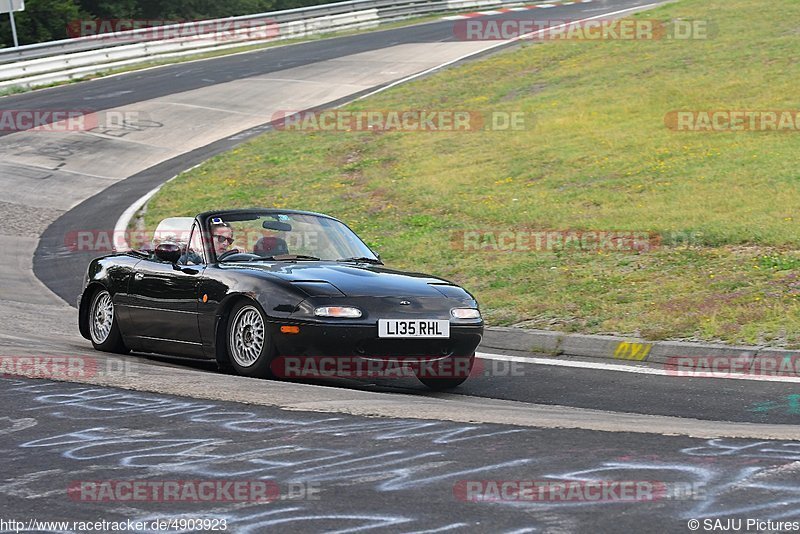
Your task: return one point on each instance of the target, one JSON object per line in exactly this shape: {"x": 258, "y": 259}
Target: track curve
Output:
{"x": 80, "y": 193}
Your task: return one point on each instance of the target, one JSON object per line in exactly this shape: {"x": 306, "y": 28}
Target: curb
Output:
{"x": 727, "y": 358}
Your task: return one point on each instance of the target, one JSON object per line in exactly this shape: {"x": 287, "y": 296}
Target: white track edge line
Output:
{"x": 634, "y": 369}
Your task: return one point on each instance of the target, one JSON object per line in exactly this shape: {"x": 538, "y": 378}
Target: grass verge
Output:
{"x": 599, "y": 157}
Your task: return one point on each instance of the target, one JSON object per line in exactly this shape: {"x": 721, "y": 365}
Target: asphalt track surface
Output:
{"x": 401, "y": 478}
{"x": 364, "y": 474}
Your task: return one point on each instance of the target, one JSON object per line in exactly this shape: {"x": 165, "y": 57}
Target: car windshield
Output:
{"x": 292, "y": 235}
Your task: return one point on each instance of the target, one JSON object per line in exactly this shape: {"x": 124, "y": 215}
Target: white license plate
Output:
{"x": 413, "y": 328}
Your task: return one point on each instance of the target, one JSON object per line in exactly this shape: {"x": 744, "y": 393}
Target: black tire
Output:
{"x": 447, "y": 373}
{"x": 248, "y": 343}
{"x": 104, "y": 324}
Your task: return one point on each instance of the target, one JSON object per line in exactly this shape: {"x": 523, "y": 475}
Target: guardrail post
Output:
{"x": 13, "y": 22}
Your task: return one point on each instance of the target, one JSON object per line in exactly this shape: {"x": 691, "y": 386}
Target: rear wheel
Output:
{"x": 446, "y": 373}
{"x": 104, "y": 324}
{"x": 250, "y": 347}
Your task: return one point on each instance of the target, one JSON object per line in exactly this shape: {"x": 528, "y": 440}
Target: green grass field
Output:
{"x": 595, "y": 156}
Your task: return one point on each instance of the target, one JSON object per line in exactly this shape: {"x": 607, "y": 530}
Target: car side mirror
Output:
{"x": 169, "y": 252}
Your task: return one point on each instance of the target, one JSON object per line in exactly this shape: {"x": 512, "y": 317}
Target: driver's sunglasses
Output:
{"x": 223, "y": 239}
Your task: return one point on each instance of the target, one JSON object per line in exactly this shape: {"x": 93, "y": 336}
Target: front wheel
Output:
{"x": 446, "y": 373}
{"x": 250, "y": 348}
{"x": 104, "y": 324}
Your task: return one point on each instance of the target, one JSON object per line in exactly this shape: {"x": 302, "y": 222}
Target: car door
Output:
{"x": 164, "y": 301}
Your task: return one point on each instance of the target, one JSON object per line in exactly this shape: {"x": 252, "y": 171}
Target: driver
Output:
{"x": 222, "y": 237}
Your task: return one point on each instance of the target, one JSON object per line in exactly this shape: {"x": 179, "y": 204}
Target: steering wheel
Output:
{"x": 227, "y": 253}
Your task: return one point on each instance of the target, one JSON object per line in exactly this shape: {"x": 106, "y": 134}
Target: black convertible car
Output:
{"x": 249, "y": 287}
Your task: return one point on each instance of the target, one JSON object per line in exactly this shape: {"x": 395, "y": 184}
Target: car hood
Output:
{"x": 353, "y": 280}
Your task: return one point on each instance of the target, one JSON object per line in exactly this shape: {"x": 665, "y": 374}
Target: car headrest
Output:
{"x": 270, "y": 246}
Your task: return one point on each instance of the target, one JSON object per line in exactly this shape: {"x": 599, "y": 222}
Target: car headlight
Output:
{"x": 465, "y": 313}
{"x": 347, "y": 312}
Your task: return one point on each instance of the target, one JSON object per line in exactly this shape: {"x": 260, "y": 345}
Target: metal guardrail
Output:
{"x": 55, "y": 61}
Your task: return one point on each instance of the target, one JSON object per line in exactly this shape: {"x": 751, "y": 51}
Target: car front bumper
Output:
{"x": 361, "y": 341}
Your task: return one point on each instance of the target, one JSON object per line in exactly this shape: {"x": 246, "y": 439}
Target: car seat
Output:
{"x": 270, "y": 246}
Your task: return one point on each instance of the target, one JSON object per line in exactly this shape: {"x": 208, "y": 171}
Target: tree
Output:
{"x": 49, "y": 20}
{"x": 42, "y": 20}
{"x": 110, "y": 9}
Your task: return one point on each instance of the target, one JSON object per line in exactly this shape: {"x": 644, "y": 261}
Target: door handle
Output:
{"x": 138, "y": 276}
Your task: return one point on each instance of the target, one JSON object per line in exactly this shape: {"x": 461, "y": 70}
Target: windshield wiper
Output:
{"x": 286, "y": 257}
{"x": 363, "y": 260}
